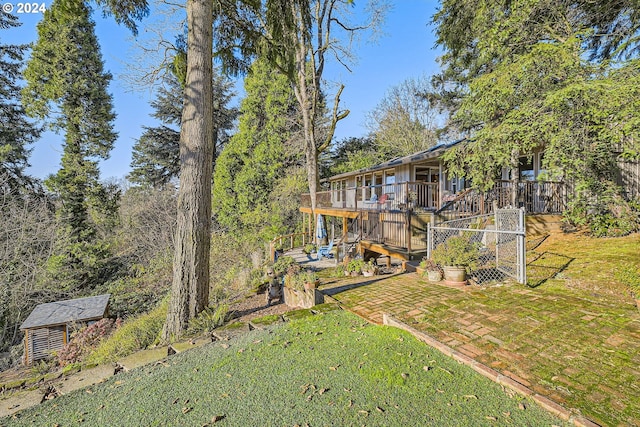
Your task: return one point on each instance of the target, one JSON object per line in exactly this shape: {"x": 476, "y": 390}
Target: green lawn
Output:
{"x": 327, "y": 369}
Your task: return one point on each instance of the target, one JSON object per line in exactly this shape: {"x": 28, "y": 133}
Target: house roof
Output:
{"x": 62, "y": 312}
{"x": 431, "y": 153}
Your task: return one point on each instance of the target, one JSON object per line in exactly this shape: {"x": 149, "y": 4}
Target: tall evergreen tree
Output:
{"x": 156, "y": 155}
{"x": 16, "y": 132}
{"x": 67, "y": 86}
{"x": 258, "y": 155}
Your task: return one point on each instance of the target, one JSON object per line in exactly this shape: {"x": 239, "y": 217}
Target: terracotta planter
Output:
{"x": 455, "y": 275}
{"x": 434, "y": 275}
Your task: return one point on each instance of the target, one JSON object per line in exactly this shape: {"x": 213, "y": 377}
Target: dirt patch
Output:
{"x": 255, "y": 306}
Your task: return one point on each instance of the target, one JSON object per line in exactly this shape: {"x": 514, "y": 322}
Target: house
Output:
{"x": 387, "y": 207}
{"x": 48, "y": 327}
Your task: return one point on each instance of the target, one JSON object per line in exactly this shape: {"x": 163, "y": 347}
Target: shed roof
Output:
{"x": 61, "y": 312}
{"x": 431, "y": 153}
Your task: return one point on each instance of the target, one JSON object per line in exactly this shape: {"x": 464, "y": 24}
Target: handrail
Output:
{"x": 292, "y": 239}
{"x": 456, "y": 199}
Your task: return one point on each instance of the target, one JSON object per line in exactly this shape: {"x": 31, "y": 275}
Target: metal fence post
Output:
{"x": 498, "y": 227}
{"x": 522, "y": 276}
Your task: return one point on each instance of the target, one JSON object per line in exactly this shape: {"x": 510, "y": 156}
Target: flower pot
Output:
{"x": 367, "y": 273}
{"x": 455, "y": 275}
{"x": 355, "y": 273}
{"x": 434, "y": 275}
{"x": 311, "y": 285}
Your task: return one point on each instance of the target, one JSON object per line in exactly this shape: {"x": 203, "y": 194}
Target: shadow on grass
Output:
{"x": 235, "y": 314}
{"x": 532, "y": 244}
{"x": 545, "y": 266}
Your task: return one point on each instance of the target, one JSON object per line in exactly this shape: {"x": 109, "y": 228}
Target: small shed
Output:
{"x": 48, "y": 326}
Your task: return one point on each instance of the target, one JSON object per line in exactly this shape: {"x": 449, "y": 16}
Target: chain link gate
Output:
{"x": 501, "y": 237}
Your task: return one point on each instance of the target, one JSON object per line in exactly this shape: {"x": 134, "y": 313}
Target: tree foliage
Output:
{"x": 301, "y": 37}
{"x": 16, "y": 131}
{"x": 259, "y": 156}
{"x": 352, "y": 154}
{"x": 530, "y": 75}
{"x": 404, "y": 122}
{"x": 156, "y": 155}
{"x": 67, "y": 87}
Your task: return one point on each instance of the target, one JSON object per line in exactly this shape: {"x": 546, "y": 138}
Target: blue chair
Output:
{"x": 325, "y": 251}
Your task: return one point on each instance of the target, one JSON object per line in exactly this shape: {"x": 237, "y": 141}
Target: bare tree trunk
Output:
{"x": 190, "y": 288}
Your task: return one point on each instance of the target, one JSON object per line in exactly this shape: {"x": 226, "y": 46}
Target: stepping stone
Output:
{"x": 298, "y": 314}
{"x": 263, "y": 322}
{"x": 229, "y": 331}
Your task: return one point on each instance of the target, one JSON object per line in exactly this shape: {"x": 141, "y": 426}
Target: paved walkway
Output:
{"x": 582, "y": 352}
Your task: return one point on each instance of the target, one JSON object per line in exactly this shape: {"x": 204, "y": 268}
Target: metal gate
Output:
{"x": 501, "y": 238}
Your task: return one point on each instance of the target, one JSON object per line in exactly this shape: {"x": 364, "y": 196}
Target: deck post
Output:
{"x": 345, "y": 228}
{"x": 408, "y": 219}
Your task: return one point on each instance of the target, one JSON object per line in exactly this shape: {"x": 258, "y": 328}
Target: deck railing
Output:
{"x": 387, "y": 197}
{"x": 288, "y": 242}
{"x": 534, "y": 196}
{"x": 392, "y": 220}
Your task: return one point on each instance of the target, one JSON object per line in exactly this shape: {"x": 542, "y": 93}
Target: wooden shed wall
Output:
{"x": 42, "y": 341}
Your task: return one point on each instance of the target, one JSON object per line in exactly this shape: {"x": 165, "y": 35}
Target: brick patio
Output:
{"x": 580, "y": 350}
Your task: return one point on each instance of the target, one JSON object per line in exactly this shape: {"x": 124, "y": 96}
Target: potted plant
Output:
{"x": 457, "y": 256}
{"x": 299, "y": 289}
{"x": 309, "y": 248}
{"x": 284, "y": 264}
{"x": 431, "y": 269}
{"x": 355, "y": 266}
{"x": 309, "y": 279}
{"x": 369, "y": 268}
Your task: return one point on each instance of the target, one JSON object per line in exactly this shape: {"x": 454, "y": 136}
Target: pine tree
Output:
{"x": 156, "y": 155}
{"x": 67, "y": 86}
{"x": 16, "y": 132}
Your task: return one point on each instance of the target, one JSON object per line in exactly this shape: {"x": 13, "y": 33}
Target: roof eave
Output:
{"x": 433, "y": 152}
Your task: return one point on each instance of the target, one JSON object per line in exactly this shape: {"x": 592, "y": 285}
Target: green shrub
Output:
{"x": 135, "y": 334}
{"x": 297, "y": 280}
{"x": 457, "y": 251}
{"x": 209, "y": 319}
{"x": 355, "y": 265}
{"x": 283, "y": 264}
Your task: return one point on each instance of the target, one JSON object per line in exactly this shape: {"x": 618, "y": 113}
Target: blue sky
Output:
{"x": 404, "y": 50}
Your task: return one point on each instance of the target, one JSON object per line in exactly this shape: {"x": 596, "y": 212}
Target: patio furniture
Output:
{"x": 325, "y": 251}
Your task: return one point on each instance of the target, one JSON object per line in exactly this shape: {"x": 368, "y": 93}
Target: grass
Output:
{"x": 331, "y": 368}
{"x": 586, "y": 263}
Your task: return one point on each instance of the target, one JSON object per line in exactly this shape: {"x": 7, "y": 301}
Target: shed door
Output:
{"x": 43, "y": 341}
